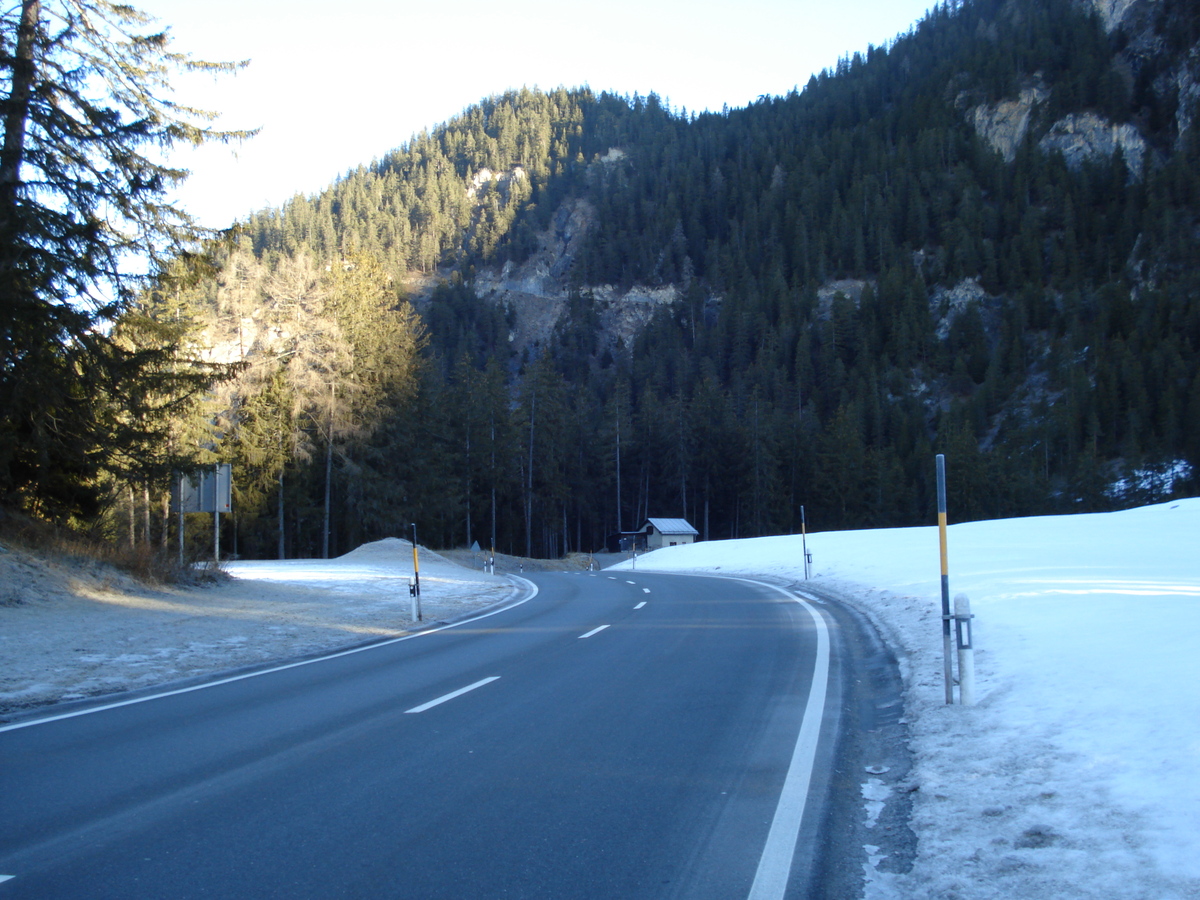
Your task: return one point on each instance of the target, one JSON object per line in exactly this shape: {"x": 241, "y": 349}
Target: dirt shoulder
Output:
{"x": 72, "y": 630}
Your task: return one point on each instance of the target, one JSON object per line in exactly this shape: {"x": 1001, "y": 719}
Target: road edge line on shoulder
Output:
{"x": 775, "y": 864}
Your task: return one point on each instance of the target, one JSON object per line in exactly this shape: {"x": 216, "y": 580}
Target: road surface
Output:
{"x": 616, "y": 735}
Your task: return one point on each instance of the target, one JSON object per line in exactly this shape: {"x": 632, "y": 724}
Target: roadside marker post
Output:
{"x": 416, "y": 585}
{"x": 966, "y": 650}
{"x": 946, "y": 616}
{"x": 804, "y": 543}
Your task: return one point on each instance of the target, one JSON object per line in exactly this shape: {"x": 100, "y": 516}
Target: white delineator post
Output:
{"x": 966, "y": 650}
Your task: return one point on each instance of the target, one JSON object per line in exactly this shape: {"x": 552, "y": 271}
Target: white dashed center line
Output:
{"x": 593, "y": 631}
{"x": 442, "y": 699}
{"x": 640, "y": 605}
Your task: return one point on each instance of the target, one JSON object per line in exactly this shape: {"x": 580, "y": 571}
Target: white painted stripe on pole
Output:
{"x": 304, "y": 662}
{"x": 640, "y": 605}
{"x": 450, "y": 696}
{"x": 593, "y": 631}
{"x": 775, "y": 866}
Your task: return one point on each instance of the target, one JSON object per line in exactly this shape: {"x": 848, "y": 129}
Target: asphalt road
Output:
{"x": 620, "y": 736}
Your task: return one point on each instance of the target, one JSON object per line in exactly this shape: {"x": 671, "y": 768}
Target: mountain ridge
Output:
{"x": 979, "y": 239}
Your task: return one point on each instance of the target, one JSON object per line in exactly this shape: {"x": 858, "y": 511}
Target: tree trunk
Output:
{"x": 24, "y": 73}
{"x": 146, "y": 514}
{"x": 129, "y": 496}
{"x": 468, "y": 467}
{"x": 328, "y": 495}
{"x": 279, "y": 510}
{"x": 618, "y": 467}
{"x": 165, "y": 509}
{"x": 529, "y": 481}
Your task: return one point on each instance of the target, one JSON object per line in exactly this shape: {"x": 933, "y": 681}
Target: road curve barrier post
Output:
{"x": 966, "y": 650}
{"x": 946, "y": 637}
{"x": 416, "y": 591}
{"x": 804, "y": 543}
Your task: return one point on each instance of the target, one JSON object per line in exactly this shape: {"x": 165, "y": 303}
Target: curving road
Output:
{"x": 622, "y": 736}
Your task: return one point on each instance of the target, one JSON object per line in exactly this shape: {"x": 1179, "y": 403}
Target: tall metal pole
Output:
{"x": 416, "y": 575}
{"x": 947, "y": 640}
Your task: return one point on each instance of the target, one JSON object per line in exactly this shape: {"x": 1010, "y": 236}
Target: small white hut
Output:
{"x": 668, "y": 533}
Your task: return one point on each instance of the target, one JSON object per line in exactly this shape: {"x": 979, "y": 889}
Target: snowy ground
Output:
{"x": 1077, "y": 773}
{"x": 69, "y": 632}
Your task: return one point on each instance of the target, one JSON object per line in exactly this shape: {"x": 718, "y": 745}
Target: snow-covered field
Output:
{"x": 1077, "y": 772}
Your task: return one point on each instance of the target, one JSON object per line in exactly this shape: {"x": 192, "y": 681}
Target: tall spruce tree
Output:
{"x": 87, "y": 113}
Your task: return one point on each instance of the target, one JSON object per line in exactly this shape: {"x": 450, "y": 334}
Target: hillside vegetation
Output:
{"x": 979, "y": 240}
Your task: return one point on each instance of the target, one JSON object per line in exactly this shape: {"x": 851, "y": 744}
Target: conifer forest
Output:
{"x": 981, "y": 240}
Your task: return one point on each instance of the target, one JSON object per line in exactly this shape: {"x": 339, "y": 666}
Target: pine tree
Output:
{"x": 87, "y": 110}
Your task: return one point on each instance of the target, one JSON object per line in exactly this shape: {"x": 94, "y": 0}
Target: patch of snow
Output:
{"x": 1151, "y": 480}
{"x": 1074, "y": 775}
{"x": 875, "y": 793}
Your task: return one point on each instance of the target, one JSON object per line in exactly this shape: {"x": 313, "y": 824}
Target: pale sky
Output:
{"x": 337, "y": 84}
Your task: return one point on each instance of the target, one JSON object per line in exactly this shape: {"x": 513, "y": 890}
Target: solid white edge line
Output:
{"x": 640, "y": 605}
{"x": 593, "y": 631}
{"x": 304, "y": 662}
{"x": 450, "y": 696}
{"x": 775, "y": 865}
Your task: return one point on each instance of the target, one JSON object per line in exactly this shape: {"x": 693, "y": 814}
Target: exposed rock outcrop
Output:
{"x": 1113, "y": 12}
{"x": 1086, "y": 136}
{"x": 1187, "y": 81}
{"x": 851, "y": 288}
{"x": 1004, "y": 125}
{"x": 948, "y": 304}
{"x": 536, "y": 290}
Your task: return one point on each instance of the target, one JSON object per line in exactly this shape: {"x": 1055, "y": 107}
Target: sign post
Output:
{"x": 208, "y": 490}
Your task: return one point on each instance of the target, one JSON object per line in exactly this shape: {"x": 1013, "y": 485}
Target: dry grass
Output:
{"x": 151, "y": 565}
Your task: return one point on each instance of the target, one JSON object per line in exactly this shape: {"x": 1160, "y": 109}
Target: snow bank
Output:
{"x": 1076, "y": 774}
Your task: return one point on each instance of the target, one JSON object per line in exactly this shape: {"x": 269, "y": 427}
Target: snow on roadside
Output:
{"x": 1075, "y": 775}
{"x": 67, "y": 633}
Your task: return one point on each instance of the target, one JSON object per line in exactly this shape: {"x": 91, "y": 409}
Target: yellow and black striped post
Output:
{"x": 416, "y": 577}
{"x": 946, "y": 616}
{"x": 804, "y": 541}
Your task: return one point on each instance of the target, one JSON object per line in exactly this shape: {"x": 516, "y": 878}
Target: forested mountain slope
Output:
{"x": 979, "y": 240}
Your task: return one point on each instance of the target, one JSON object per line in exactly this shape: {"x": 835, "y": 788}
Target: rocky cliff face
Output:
{"x": 1113, "y": 12}
{"x": 1079, "y": 137}
{"x": 536, "y": 291}
{"x": 1144, "y": 43}
{"x": 1086, "y": 135}
{"x": 1004, "y": 125}
{"x": 1083, "y": 136}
